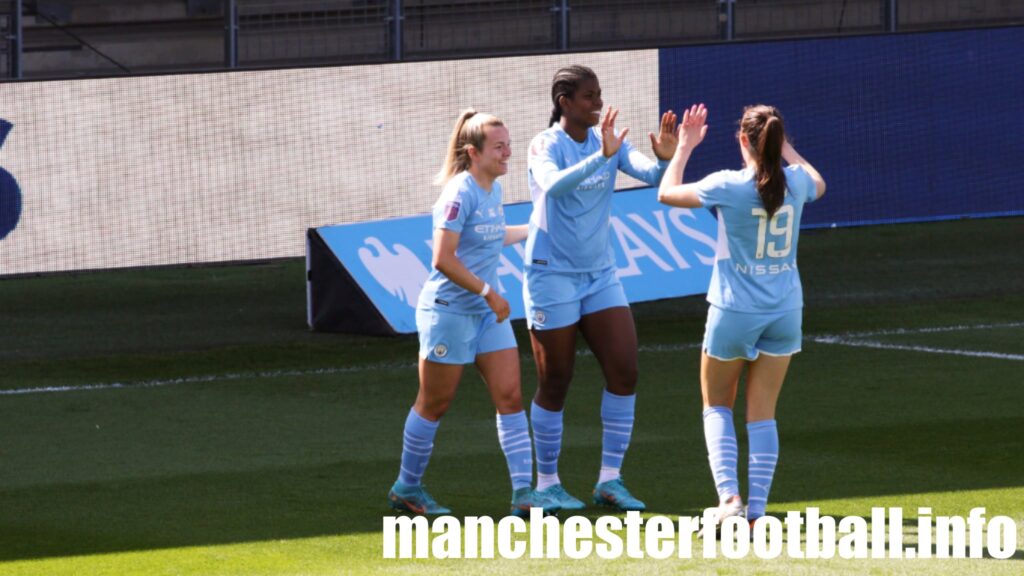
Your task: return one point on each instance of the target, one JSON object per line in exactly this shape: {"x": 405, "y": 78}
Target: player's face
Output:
{"x": 584, "y": 108}
{"x": 497, "y": 149}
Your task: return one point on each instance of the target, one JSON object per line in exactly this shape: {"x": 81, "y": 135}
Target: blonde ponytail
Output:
{"x": 468, "y": 132}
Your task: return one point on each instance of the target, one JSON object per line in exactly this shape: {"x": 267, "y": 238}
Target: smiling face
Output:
{"x": 491, "y": 158}
{"x": 583, "y": 108}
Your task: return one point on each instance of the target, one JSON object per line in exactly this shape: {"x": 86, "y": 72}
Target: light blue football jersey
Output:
{"x": 479, "y": 218}
{"x": 571, "y": 184}
{"x": 755, "y": 260}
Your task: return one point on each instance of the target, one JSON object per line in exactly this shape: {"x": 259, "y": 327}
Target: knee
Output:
{"x": 553, "y": 386}
{"x": 509, "y": 401}
{"x": 433, "y": 408}
{"x": 555, "y": 377}
{"x": 622, "y": 379}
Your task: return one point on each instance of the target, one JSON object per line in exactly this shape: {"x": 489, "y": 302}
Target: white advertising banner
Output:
{"x": 236, "y": 166}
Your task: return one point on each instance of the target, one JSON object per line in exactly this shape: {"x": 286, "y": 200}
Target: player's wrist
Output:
{"x": 485, "y": 290}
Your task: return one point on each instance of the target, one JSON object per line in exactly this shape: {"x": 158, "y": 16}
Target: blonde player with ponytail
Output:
{"x": 756, "y": 297}
{"x": 462, "y": 319}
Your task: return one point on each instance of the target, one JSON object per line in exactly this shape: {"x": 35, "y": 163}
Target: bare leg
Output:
{"x": 438, "y": 383}
{"x": 763, "y": 386}
{"x": 611, "y": 335}
{"x": 719, "y": 380}
{"x": 555, "y": 354}
{"x": 500, "y": 371}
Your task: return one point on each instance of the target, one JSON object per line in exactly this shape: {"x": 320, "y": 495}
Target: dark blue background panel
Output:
{"x": 903, "y": 127}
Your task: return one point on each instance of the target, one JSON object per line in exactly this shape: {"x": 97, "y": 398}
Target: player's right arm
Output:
{"x": 446, "y": 262}
{"x": 793, "y": 158}
{"x": 672, "y": 190}
{"x": 549, "y": 176}
{"x": 554, "y": 180}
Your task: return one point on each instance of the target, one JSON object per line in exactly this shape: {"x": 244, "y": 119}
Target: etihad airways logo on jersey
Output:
{"x": 598, "y": 181}
{"x": 490, "y": 232}
{"x": 660, "y": 252}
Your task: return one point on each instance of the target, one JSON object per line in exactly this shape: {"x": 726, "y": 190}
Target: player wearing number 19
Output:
{"x": 461, "y": 318}
{"x": 755, "y": 294}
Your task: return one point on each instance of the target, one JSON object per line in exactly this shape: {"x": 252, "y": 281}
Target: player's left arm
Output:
{"x": 638, "y": 165}
{"x": 793, "y": 158}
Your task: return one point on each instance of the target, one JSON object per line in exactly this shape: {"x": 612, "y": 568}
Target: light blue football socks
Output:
{"x": 417, "y": 445}
{"x": 764, "y": 455}
{"x": 720, "y": 436}
{"x": 617, "y": 420}
{"x": 514, "y": 437}
{"x": 547, "y": 440}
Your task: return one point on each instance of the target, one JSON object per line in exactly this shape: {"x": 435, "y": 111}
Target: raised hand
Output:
{"x": 694, "y": 127}
{"x": 665, "y": 144}
{"x": 610, "y": 143}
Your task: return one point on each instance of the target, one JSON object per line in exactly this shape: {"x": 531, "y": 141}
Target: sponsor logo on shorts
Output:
{"x": 541, "y": 262}
{"x": 539, "y": 317}
{"x": 441, "y": 350}
{"x": 441, "y": 302}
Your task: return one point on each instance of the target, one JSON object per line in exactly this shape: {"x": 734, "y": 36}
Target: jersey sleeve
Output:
{"x": 712, "y": 189}
{"x": 555, "y": 180}
{"x": 639, "y": 166}
{"x": 453, "y": 207}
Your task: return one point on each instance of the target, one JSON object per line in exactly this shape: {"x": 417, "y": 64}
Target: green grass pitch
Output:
{"x": 241, "y": 443}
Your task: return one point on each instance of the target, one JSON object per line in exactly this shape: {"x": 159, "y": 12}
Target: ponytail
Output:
{"x": 468, "y": 132}
{"x": 556, "y": 114}
{"x": 764, "y": 129}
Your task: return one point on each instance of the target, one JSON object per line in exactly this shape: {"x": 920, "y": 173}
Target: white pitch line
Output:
{"x": 211, "y": 378}
{"x": 903, "y": 331}
{"x": 883, "y": 346}
{"x": 847, "y": 339}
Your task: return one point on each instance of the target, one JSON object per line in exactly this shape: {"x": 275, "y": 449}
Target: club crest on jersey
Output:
{"x": 539, "y": 317}
{"x": 451, "y": 210}
{"x": 441, "y": 350}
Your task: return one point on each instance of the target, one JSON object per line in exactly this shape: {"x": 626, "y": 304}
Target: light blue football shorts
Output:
{"x": 450, "y": 338}
{"x": 732, "y": 335}
{"x": 557, "y": 299}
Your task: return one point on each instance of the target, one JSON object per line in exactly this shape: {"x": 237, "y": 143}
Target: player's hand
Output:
{"x": 610, "y": 143}
{"x": 665, "y": 144}
{"x": 498, "y": 304}
{"x": 694, "y": 127}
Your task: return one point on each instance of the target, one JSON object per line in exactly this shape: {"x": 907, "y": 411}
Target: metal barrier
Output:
{"x": 286, "y": 33}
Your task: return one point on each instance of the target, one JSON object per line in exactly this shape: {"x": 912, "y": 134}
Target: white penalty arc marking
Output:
{"x": 853, "y": 339}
